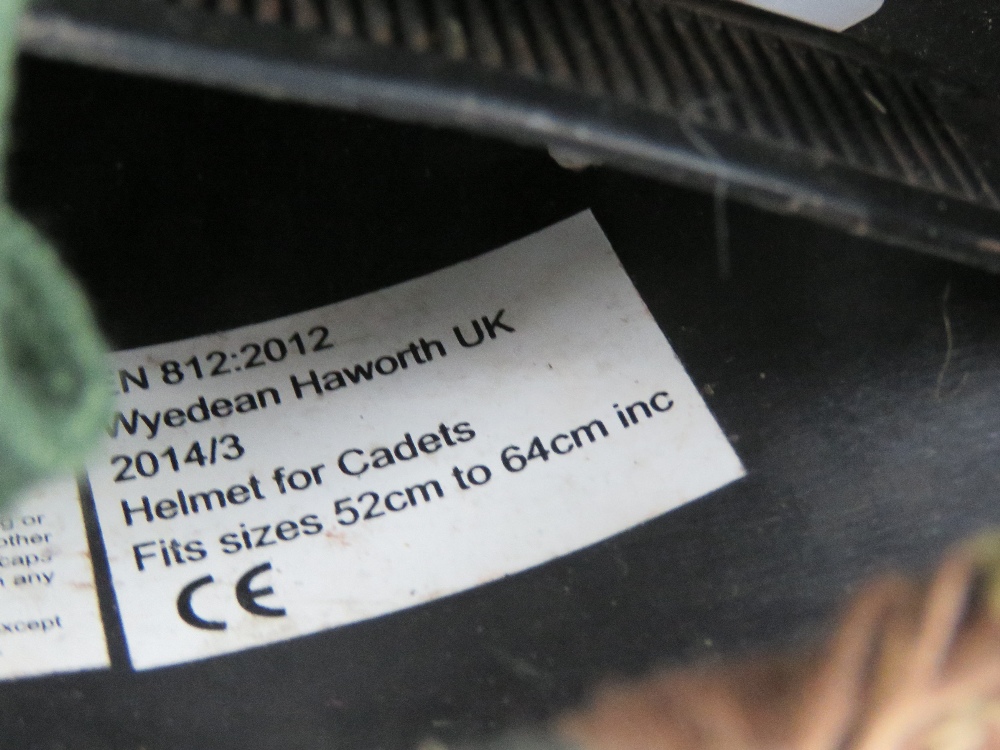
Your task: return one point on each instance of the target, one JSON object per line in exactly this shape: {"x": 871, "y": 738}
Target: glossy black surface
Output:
{"x": 958, "y": 39}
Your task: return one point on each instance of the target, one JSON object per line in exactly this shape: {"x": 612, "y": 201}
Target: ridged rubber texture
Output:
{"x": 671, "y": 60}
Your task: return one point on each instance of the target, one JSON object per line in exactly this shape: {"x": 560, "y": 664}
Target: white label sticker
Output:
{"x": 835, "y": 16}
{"x": 347, "y": 462}
{"x": 49, "y": 616}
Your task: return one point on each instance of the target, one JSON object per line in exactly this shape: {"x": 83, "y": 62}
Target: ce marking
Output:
{"x": 246, "y": 597}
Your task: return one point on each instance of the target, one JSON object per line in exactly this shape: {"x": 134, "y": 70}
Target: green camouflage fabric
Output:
{"x": 55, "y": 393}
